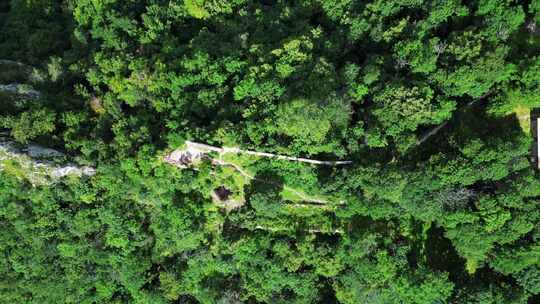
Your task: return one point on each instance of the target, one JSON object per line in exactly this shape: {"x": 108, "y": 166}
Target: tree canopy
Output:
{"x": 432, "y": 102}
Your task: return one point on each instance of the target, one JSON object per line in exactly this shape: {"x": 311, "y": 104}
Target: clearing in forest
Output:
{"x": 523, "y": 115}
{"x": 240, "y": 160}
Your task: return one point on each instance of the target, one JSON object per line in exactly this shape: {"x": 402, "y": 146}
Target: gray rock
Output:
{"x": 36, "y": 151}
{"x": 20, "y": 89}
{"x": 532, "y": 27}
{"x": 72, "y": 170}
{"x": 33, "y": 163}
{"x": 12, "y": 62}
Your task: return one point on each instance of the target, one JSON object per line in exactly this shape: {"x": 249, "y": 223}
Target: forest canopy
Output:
{"x": 269, "y": 151}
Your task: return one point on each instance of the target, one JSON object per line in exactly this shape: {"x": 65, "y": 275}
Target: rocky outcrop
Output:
{"x": 532, "y": 28}
{"x": 18, "y": 64}
{"x": 20, "y": 90}
{"x": 14, "y": 71}
{"x": 16, "y": 78}
{"x": 39, "y": 165}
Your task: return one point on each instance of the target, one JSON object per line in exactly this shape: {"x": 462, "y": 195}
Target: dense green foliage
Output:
{"x": 422, "y": 215}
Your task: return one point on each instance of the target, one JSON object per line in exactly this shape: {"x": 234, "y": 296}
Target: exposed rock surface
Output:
{"x": 39, "y": 165}
{"x": 37, "y": 151}
{"x": 21, "y": 68}
{"x": 22, "y": 90}
{"x": 532, "y": 27}
{"x": 8, "y": 62}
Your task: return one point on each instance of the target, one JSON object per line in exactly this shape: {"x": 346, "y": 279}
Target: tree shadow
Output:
{"x": 267, "y": 182}
{"x": 535, "y": 115}
{"x": 441, "y": 254}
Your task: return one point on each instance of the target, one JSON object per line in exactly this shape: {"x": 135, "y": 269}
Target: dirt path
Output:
{"x": 196, "y": 151}
{"x": 271, "y": 229}
{"x": 251, "y": 177}
{"x": 438, "y": 128}
{"x": 207, "y": 148}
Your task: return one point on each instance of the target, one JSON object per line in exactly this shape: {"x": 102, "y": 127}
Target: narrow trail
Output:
{"x": 271, "y": 229}
{"x": 296, "y": 192}
{"x": 232, "y": 150}
{"x": 438, "y": 128}
{"x": 196, "y": 151}
{"x": 432, "y": 132}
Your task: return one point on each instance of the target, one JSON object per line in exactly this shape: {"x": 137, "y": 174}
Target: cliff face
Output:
{"x": 39, "y": 165}
{"x": 20, "y": 90}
